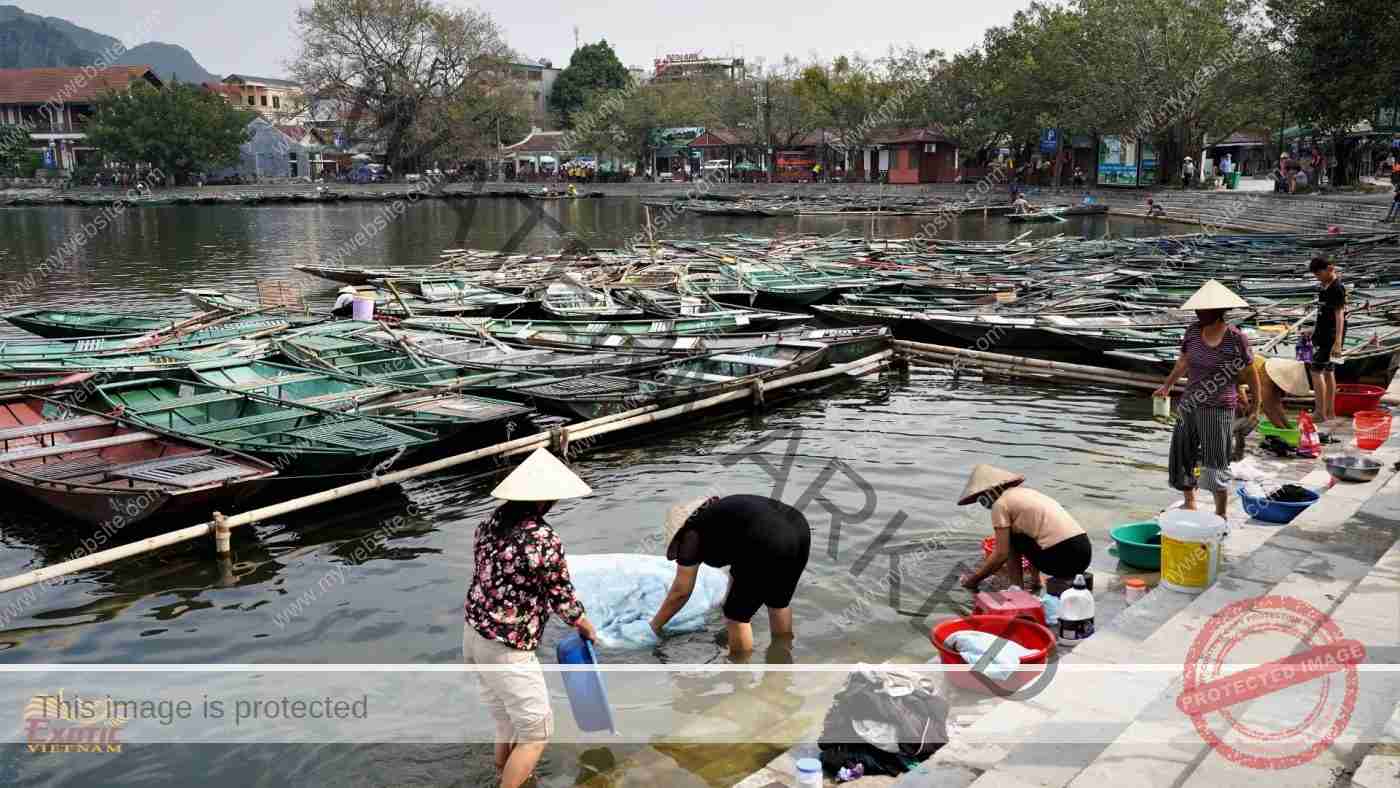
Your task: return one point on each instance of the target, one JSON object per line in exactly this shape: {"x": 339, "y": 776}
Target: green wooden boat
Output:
{"x": 34, "y": 349}
{"x": 445, "y": 414}
{"x": 345, "y": 352}
{"x": 65, "y": 324}
{"x": 297, "y": 439}
{"x": 506, "y": 329}
{"x": 594, "y": 396}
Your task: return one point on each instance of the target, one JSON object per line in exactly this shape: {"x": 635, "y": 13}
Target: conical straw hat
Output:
{"x": 1214, "y": 295}
{"x": 542, "y": 477}
{"x": 1289, "y": 375}
{"x": 678, "y": 514}
{"x": 986, "y": 478}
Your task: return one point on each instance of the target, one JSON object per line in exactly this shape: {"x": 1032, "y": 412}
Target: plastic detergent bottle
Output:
{"x": 1076, "y": 613}
{"x": 1309, "y": 445}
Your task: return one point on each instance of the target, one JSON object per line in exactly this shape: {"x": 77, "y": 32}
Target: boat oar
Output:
{"x": 403, "y": 343}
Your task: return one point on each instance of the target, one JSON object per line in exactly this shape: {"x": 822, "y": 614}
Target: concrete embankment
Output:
{"x": 1212, "y": 211}
{"x": 1112, "y": 715}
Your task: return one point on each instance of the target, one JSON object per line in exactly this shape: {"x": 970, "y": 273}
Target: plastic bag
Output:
{"x": 972, "y": 645}
{"x": 622, "y": 591}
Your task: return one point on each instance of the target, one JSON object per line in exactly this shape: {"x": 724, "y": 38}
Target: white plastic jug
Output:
{"x": 362, "y": 309}
{"x": 1161, "y": 407}
{"x": 1076, "y": 613}
{"x": 809, "y": 773}
{"x": 1190, "y": 549}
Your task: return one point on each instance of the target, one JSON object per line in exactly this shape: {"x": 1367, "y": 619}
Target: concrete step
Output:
{"x": 1089, "y": 726}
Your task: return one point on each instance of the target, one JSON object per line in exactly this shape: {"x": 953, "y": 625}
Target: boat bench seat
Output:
{"x": 197, "y": 400}
{"x": 87, "y": 466}
{"x": 241, "y": 423}
{"x": 50, "y": 427}
{"x": 758, "y": 361}
{"x": 66, "y": 448}
{"x": 705, "y": 376}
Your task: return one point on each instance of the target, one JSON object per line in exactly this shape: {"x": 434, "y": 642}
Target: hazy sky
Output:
{"x": 255, "y": 36}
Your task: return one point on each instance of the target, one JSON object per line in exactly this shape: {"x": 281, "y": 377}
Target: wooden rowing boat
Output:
{"x": 66, "y": 324}
{"x": 343, "y": 348}
{"x": 507, "y": 329}
{"x": 593, "y": 396}
{"x": 445, "y": 414}
{"x": 298, "y": 439}
{"x": 108, "y": 471}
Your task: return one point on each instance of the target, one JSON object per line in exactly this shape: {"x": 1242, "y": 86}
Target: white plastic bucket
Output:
{"x": 363, "y": 308}
{"x": 1190, "y": 549}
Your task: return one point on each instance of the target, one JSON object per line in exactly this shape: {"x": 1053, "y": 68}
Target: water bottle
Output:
{"x": 1076, "y": 613}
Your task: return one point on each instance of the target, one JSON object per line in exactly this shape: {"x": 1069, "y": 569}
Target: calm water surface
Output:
{"x": 904, "y": 444}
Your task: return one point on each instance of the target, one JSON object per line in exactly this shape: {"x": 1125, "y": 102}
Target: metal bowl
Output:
{"x": 1351, "y": 468}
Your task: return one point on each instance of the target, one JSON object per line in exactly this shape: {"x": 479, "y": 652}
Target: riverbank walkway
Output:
{"x": 1123, "y": 726}
{"x": 1252, "y": 208}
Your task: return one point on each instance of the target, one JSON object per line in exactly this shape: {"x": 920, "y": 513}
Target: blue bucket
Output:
{"x": 588, "y": 698}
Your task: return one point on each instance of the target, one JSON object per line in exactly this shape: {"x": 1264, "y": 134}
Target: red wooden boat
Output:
{"x": 109, "y": 472}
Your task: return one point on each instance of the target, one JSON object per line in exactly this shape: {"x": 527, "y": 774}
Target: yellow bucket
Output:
{"x": 1190, "y": 550}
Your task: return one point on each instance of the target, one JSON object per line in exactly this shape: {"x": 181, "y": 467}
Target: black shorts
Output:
{"x": 1063, "y": 559}
{"x": 770, "y": 581}
{"x": 1322, "y": 354}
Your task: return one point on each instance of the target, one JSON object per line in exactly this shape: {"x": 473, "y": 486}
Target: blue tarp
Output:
{"x": 622, "y": 591}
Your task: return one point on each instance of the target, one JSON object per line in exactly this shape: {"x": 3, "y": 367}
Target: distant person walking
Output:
{"x": 1188, "y": 172}
{"x": 1394, "y": 206}
{"x": 1078, "y": 178}
{"x": 1227, "y": 169}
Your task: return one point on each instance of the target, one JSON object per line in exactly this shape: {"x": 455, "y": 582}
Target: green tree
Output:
{"x": 593, "y": 69}
{"x": 1342, "y": 60}
{"x": 420, "y": 72}
{"x": 179, "y": 129}
{"x": 14, "y": 149}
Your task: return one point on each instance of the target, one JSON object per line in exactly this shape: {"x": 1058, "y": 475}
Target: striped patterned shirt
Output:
{"x": 1211, "y": 371}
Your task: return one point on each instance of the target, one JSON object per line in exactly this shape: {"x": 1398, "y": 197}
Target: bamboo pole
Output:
{"x": 1022, "y": 361}
{"x": 600, "y": 426}
{"x": 1012, "y": 362}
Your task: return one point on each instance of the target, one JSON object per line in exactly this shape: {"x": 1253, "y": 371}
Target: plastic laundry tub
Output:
{"x": 1289, "y": 436}
{"x": 1271, "y": 511}
{"x": 1355, "y": 397}
{"x": 1139, "y": 544}
{"x": 588, "y": 698}
{"x": 1021, "y": 631}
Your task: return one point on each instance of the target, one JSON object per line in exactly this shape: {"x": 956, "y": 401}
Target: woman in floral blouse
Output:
{"x": 521, "y": 576}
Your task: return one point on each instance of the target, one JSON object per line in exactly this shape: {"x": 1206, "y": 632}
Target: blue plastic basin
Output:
{"x": 1271, "y": 511}
{"x": 588, "y": 698}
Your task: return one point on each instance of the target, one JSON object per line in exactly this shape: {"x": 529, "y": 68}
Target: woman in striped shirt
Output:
{"x": 1213, "y": 354}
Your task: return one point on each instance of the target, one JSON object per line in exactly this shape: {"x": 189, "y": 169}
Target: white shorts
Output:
{"x": 518, "y": 698}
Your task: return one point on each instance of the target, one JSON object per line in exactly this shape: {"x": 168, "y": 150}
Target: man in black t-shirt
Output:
{"x": 1327, "y": 336}
{"x": 764, "y": 542}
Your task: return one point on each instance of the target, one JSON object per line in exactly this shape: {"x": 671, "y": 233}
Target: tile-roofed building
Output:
{"x": 278, "y": 100}
{"x": 907, "y": 155}
{"x": 54, "y": 105}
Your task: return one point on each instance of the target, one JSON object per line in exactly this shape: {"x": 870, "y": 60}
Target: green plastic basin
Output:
{"x": 1132, "y": 544}
{"x": 1289, "y": 436}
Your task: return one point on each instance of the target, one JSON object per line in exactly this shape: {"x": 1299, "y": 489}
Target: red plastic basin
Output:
{"x": 1353, "y": 397}
{"x": 1021, "y": 631}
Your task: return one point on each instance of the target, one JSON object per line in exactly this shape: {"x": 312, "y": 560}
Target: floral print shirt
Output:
{"x": 520, "y": 577}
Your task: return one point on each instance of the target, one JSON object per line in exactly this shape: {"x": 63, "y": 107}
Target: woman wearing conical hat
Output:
{"x": 1027, "y": 524}
{"x": 1213, "y": 354}
{"x": 764, "y": 542}
{"x": 521, "y": 577}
